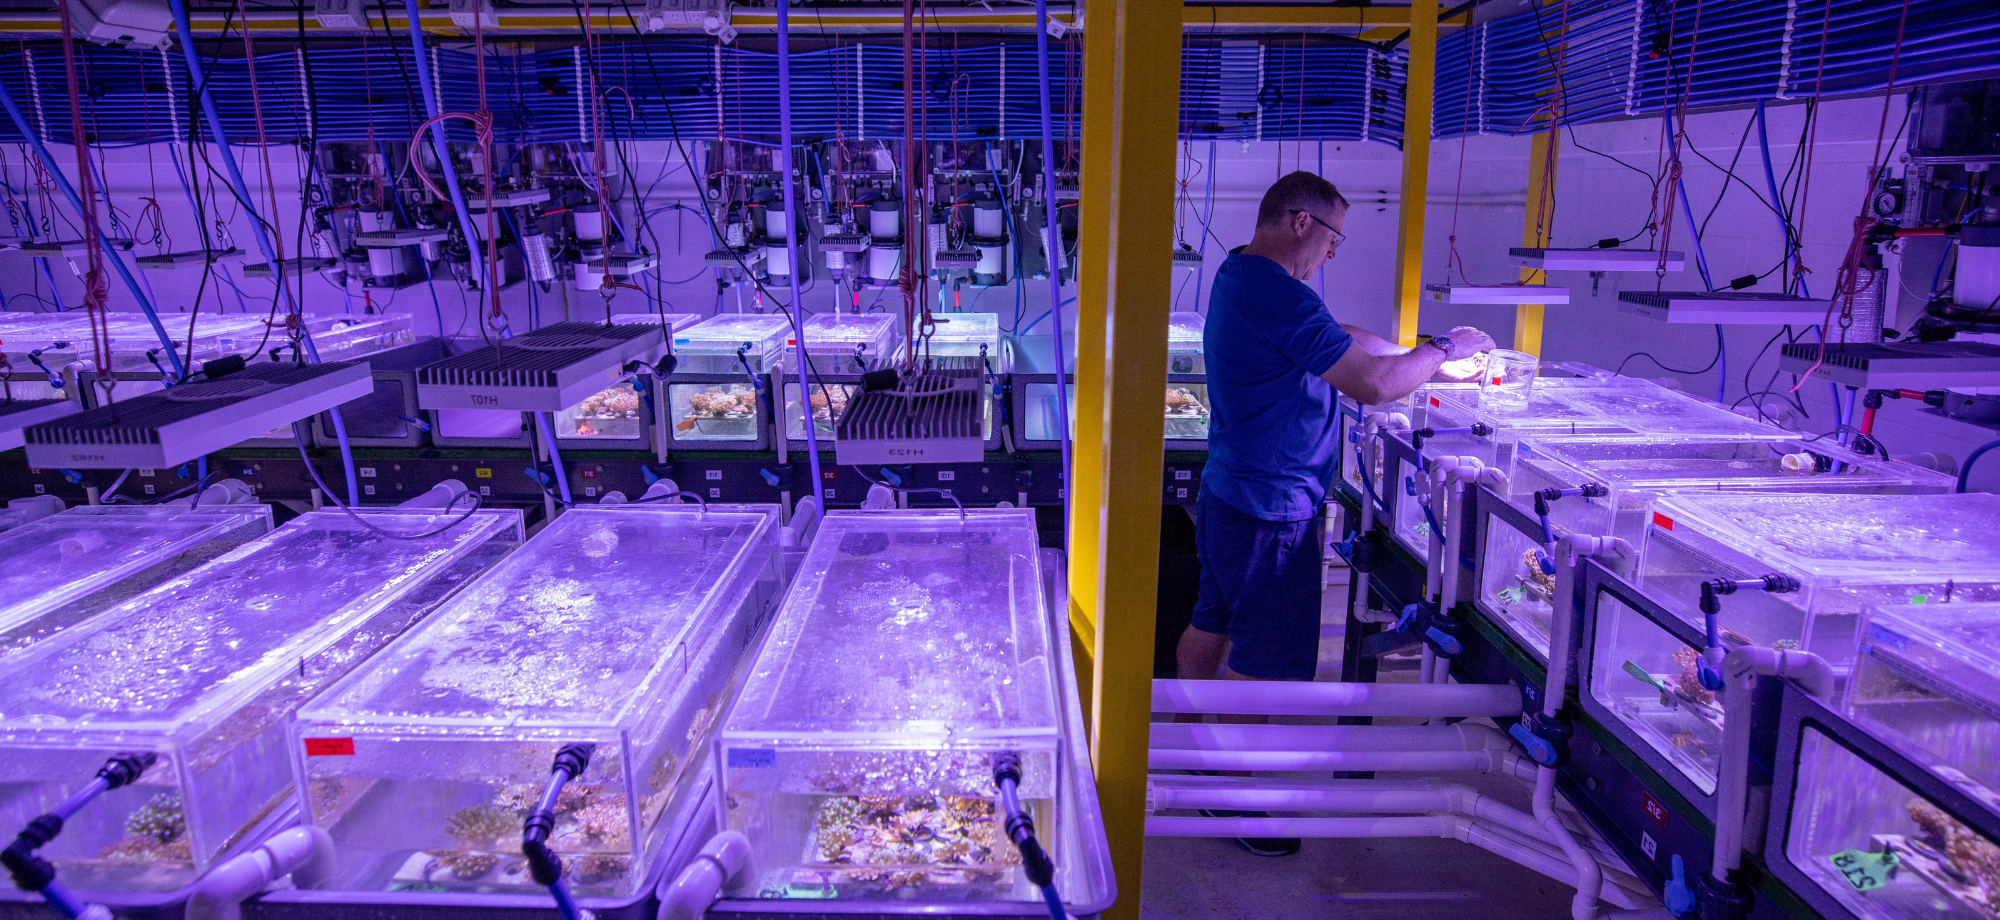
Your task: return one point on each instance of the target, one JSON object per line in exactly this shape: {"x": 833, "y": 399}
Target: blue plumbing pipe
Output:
{"x": 76, "y": 201}
{"x": 792, "y": 231}
{"x": 1054, "y": 244}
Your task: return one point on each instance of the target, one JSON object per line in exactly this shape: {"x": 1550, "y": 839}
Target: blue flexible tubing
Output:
{"x": 235, "y": 175}
{"x": 1785, "y": 227}
{"x": 438, "y": 142}
{"x": 75, "y": 201}
{"x": 1965, "y": 469}
{"x": 1054, "y": 244}
{"x": 1055, "y": 903}
{"x": 548, "y": 431}
{"x": 794, "y": 227}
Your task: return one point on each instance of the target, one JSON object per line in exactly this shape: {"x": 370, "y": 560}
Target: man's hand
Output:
{"x": 1467, "y": 341}
{"x": 1463, "y": 370}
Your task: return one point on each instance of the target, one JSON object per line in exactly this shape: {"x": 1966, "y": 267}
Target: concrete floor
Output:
{"x": 1191, "y": 878}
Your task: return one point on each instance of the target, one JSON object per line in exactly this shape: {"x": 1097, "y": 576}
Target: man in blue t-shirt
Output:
{"x": 1275, "y": 356}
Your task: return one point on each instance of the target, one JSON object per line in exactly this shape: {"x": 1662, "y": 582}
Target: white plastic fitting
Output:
{"x": 440, "y": 496}
{"x": 1740, "y": 671}
{"x": 661, "y": 488}
{"x": 613, "y": 497}
{"x": 1288, "y": 698}
{"x": 880, "y": 498}
{"x": 301, "y": 852}
{"x": 804, "y": 523}
{"x": 688, "y": 894}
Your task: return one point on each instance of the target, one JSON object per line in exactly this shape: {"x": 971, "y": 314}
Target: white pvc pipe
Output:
{"x": 688, "y": 894}
{"x": 440, "y": 496}
{"x": 302, "y": 852}
{"x": 1464, "y": 736}
{"x": 1589, "y": 878}
{"x": 1364, "y": 828}
{"x": 1356, "y": 761}
{"x": 1740, "y": 670}
{"x": 1303, "y": 698}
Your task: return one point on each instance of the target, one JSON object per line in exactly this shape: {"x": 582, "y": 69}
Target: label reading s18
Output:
{"x": 1662, "y": 521}
{"x": 1864, "y": 871}
{"x": 753, "y": 757}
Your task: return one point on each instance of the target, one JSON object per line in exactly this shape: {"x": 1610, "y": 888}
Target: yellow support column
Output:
{"x": 1128, "y": 200}
{"x": 1421, "y": 85}
{"x": 1535, "y": 232}
{"x": 1087, "y": 453}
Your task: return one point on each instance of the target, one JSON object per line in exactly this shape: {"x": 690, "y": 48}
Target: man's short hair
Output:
{"x": 1299, "y": 191}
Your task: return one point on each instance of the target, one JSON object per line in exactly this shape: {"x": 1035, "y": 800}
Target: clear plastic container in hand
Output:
{"x": 1508, "y": 377}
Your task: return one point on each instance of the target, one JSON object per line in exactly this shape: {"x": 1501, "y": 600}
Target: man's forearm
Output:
{"x": 1373, "y": 344}
{"x": 1410, "y": 369}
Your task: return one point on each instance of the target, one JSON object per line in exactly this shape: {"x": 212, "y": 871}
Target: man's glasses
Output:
{"x": 1338, "y": 237}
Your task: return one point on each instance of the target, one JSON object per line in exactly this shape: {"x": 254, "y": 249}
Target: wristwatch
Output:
{"x": 1443, "y": 343}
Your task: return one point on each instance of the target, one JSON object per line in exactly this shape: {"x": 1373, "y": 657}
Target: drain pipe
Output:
{"x": 302, "y": 852}
{"x": 1052, "y": 240}
{"x": 792, "y": 229}
{"x": 687, "y": 896}
{"x": 1362, "y": 555}
{"x": 1741, "y": 669}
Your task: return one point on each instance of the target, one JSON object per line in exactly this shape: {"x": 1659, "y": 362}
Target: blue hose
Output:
{"x": 76, "y": 201}
{"x": 1965, "y": 471}
{"x": 793, "y": 228}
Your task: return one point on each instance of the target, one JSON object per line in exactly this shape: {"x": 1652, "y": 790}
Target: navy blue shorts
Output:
{"x": 1260, "y": 584}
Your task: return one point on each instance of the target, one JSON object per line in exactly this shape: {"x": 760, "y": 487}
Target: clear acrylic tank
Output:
{"x": 1184, "y": 348}
{"x": 65, "y": 568}
{"x": 1927, "y": 680}
{"x": 1847, "y": 551}
{"x": 712, "y": 345}
{"x": 1558, "y": 406}
{"x": 912, "y": 647}
{"x": 724, "y": 411}
{"x": 204, "y": 670}
{"x": 620, "y": 626}
{"x": 1636, "y": 471}
{"x": 962, "y": 339}
{"x": 847, "y": 343}
{"x": 1877, "y": 846}
{"x": 830, "y": 394}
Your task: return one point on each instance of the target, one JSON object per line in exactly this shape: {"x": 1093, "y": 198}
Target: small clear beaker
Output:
{"x": 1509, "y": 378}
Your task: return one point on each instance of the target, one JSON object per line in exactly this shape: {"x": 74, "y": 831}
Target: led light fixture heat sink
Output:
{"x": 547, "y": 370}
{"x": 173, "y": 426}
{"x": 1496, "y": 293}
{"x": 1897, "y": 365}
{"x": 926, "y": 418}
{"x": 1724, "y": 307}
{"x": 1593, "y": 260}
{"x": 17, "y": 414}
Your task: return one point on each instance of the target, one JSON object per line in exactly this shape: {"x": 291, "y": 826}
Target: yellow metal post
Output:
{"x": 1421, "y": 84}
{"x": 1128, "y": 200}
{"x": 1535, "y": 232}
{"x": 1087, "y": 453}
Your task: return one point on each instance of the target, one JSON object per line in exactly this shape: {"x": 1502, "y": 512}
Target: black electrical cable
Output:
{"x": 299, "y": 438}
{"x": 913, "y": 491}
{"x": 1674, "y": 370}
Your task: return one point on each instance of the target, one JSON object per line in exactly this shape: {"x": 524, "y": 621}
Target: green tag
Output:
{"x": 1865, "y": 871}
{"x": 1920, "y": 599}
{"x": 1667, "y": 698}
{"x": 796, "y": 890}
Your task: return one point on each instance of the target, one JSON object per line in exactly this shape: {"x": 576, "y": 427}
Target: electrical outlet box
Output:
{"x": 341, "y": 14}
{"x": 467, "y": 14}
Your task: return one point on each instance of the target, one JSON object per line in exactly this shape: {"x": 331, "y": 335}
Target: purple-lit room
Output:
{"x": 698, "y": 460}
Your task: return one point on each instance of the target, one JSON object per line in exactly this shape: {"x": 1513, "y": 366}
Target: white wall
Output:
{"x": 1477, "y": 184}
